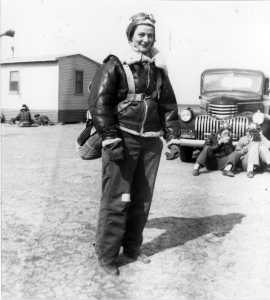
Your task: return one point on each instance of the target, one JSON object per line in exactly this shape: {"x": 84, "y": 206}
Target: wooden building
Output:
{"x": 55, "y": 85}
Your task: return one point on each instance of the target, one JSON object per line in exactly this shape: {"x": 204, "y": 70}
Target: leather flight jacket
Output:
{"x": 136, "y": 98}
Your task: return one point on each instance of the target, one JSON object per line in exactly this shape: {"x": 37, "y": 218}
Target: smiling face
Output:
{"x": 143, "y": 38}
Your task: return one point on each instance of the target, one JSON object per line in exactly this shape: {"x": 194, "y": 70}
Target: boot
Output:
{"x": 138, "y": 257}
{"x": 110, "y": 269}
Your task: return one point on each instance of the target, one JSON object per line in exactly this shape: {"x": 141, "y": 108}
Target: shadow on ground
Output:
{"x": 181, "y": 230}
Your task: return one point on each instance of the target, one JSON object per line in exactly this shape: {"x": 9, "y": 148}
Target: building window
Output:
{"x": 14, "y": 81}
{"x": 78, "y": 82}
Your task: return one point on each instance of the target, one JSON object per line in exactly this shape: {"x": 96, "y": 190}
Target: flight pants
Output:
{"x": 127, "y": 190}
{"x": 257, "y": 153}
{"x": 208, "y": 159}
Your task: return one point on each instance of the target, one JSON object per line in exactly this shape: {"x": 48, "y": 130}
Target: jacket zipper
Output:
{"x": 145, "y": 115}
{"x": 146, "y": 106}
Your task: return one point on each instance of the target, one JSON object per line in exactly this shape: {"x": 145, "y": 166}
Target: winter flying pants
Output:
{"x": 208, "y": 159}
{"x": 257, "y": 153}
{"x": 127, "y": 189}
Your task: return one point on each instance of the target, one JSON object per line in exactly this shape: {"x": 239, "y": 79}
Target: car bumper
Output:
{"x": 191, "y": 143}
{"x": 195, "y": 143}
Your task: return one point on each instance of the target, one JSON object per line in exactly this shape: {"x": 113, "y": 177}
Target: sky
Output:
{"x": 192, "y": 35}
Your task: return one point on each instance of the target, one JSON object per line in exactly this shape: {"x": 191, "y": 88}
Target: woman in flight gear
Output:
{"x": 132, "y": 105}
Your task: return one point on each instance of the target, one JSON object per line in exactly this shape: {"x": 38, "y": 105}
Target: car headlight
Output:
{"x": 258, "y": 118}
{"x": 186, "y": 115}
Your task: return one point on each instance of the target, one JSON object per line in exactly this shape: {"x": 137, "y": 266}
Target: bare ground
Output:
{"x": 208, "y": 237}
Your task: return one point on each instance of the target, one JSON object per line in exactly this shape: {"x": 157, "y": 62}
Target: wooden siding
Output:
{"x": 72, "y": 106}
{"x": 38, "y": 86}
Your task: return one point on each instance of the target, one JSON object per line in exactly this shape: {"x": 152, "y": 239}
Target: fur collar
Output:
{"x": 130, "y": 56}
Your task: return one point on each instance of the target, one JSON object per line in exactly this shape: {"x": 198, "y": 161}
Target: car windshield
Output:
{"x": 233, "y": 82}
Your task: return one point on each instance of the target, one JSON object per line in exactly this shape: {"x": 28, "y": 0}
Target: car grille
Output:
{"x": 204, "y": 125}
{"x": 222, "y": 111}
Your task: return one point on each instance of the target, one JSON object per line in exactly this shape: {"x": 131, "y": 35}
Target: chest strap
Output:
{"x": 132, "y": 96}
{"x": 130, "y": 79}
{"x": 137, "y": 97}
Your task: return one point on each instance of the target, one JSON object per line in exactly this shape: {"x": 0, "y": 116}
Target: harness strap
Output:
{"x": 136, "y": 97}
{"x": 158, "y": 85}
{"x": 132, "y": 96}
{"x": 88, "y": 115}
{"x": 130, "y": 79}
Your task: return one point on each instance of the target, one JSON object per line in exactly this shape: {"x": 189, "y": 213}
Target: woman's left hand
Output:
{"x": 115, "y": 151}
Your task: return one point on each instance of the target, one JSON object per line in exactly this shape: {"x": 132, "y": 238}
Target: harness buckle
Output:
{"x": 139, "y": 97}
{"x": 136, "y": 97}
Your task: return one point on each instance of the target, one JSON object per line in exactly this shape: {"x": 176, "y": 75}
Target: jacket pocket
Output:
{"x": 123, "y": 105}
{"x": 153, "y": 121}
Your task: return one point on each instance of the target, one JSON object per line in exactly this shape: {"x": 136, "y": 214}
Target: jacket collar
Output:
{"x": 130, "y": 56}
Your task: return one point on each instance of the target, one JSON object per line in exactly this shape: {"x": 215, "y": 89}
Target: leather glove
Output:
{"x": 115, "y": 151}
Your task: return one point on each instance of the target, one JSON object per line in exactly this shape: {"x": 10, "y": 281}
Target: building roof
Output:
{"x": 41, "y": 59}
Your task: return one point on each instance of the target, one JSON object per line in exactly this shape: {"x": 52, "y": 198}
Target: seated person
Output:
{"x": 42, "y": 120}
{"x": 2, "y": 118}
{"x": 25, "y": 107}
{"x": 217, "y": 153}
{"x": 254, "y": 149}
{"x": 23, "y": 118}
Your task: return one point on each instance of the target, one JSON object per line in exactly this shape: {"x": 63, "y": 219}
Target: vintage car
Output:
{"x": 235, "y": 96}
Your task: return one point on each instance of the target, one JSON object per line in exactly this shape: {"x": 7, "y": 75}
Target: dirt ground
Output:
{"x": 208, "y": 236}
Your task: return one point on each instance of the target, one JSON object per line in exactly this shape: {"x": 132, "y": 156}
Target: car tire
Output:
{"x": 186, "y": 153}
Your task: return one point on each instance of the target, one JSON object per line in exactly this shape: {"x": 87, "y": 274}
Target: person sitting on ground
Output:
{"x": 23, "y": 118}
{"x": 217, "y": 153}
{"x": 42, "y": 120}
{"x": 2, "y": 118}
{"x": 253, "y": 150}
{"x": 17, "y": 118}
{"x": 25, "y": 107}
